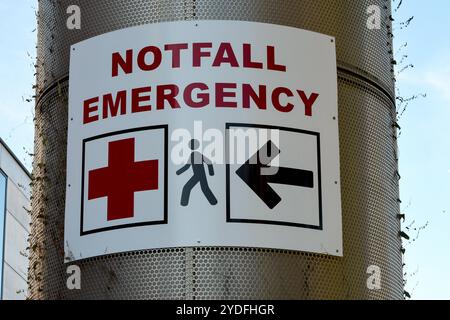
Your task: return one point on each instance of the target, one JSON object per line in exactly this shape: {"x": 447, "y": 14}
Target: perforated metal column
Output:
{"x": 368, "y": 166}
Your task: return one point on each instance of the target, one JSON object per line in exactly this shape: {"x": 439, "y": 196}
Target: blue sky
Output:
{"x": 17, "y": 52}
{"x": 424, "y": 141}
{"x": 425, "y": 145}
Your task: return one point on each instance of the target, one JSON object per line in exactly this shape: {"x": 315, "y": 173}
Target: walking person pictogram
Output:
{"x": 197, "y": 161}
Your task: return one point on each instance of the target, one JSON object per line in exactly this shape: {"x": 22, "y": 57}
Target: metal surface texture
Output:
{"x": 368, "y": 166}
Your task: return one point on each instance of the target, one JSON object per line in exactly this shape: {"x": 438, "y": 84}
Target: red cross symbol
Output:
{"x": 122, "y": 178}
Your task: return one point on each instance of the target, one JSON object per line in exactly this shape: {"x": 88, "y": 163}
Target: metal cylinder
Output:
{"x": 370, "y": 204}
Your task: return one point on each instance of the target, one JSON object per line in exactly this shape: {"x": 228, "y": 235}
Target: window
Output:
{"x": 2, "y": 226}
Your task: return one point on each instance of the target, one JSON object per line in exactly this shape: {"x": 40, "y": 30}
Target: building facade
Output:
{"x": 14, "y": 225}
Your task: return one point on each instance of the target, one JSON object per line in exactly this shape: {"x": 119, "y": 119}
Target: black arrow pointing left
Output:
{"x": 250, "y": 173}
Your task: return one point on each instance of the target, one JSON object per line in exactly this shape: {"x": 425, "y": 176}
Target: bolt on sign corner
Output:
{"x": 205, "y": 133}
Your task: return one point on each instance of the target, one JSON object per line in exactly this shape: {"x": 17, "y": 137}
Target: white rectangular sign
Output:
{"x": 203, "y": 133}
